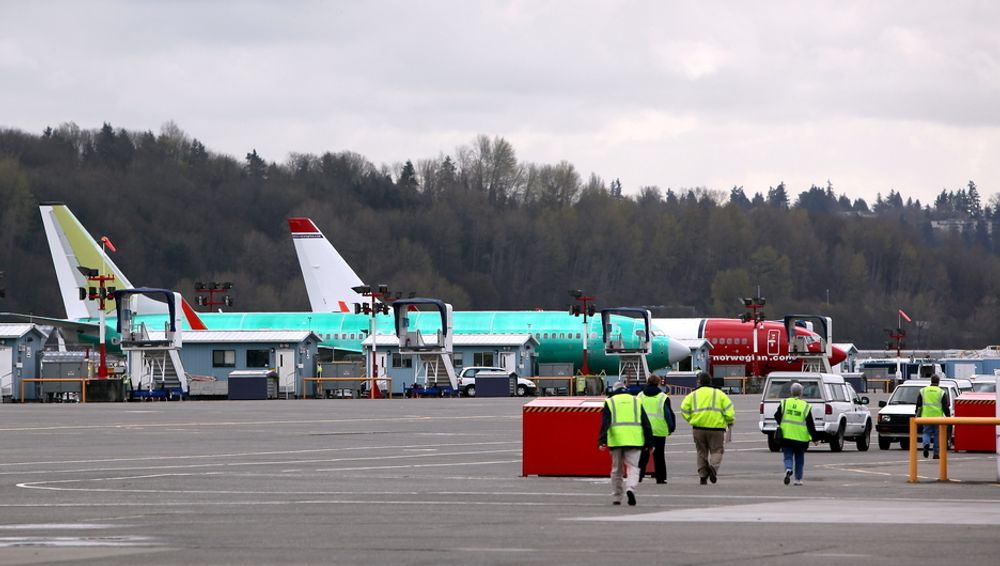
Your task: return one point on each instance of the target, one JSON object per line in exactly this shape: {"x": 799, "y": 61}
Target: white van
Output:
{"x": 838, "y": 412}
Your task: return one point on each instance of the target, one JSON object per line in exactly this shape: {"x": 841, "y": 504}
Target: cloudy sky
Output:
{"x": 872, "y": 96}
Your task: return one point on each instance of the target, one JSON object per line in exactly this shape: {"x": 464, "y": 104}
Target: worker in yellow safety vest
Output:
{"x": 661, "y": 417}
{"x": 710, "y": 413}
{"x": 625, "y": 432}
{"x": 795, "y": 421}
{"x": 932, "y": 402}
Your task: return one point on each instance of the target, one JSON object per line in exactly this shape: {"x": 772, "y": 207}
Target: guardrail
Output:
{"x": 943, "y": 423}
{"x": 43, "y": 380}
{"x": 320, "y": 380}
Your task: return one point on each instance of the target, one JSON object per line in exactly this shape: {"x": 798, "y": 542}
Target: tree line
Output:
{"x": 484, "y": 230}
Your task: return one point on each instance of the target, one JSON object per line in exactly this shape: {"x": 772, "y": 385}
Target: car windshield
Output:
{"x": 984, "y": 386}
{"x": 779, "y": 389}
{"x": 905, "y": 396}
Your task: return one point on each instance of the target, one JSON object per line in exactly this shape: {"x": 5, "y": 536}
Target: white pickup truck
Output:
{"x": 838, "y": 412}
{"x": 467, "y": 381}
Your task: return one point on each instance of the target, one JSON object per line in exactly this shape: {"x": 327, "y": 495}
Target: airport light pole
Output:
{"x": 587, "y": 309}
{"x": 896, "y": 337}
{"x": 754, "y": 313}
{"x": 372, "y": 310}
{"x": 102, "y": 293}
{"x": 211, "y": 288}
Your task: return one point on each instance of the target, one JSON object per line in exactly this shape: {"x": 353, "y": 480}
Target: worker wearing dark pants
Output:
{"x": 656, "y": 403}
{"x": 932, "y": 402}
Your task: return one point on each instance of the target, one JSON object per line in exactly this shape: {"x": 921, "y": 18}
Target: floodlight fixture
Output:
{"x": 362, "y": 289}
{"x": 87, "y": 272}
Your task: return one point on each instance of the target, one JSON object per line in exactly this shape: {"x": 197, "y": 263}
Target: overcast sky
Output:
{"x": 873, "y": 96}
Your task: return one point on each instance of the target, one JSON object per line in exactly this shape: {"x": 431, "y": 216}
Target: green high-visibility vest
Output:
{"x": 654, "y": 411}
{"x": 794, "y": 412}
{"x": 931, "y": 401}
{"x": 707, "y": 407}
{"x": 626, "y": 421}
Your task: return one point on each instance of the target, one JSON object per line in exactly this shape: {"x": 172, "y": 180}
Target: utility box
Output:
{"x": 559, "y": 437}
{"x": 253, "y": 385}
{"x": 555, "y": 370}
{"x": 976, "y": 438}
{"x": 495, "y": 384}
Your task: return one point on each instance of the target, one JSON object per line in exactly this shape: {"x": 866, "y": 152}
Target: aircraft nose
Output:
{"x": 837, "y": 356}
{"x": 677, "y": 351}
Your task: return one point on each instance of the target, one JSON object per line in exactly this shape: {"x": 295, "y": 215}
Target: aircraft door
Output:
{"x": 285, "y": 364}
{"x": 507, "y": 361}
{"x": 773, "y": 342}
{"x": 6, "y": 371}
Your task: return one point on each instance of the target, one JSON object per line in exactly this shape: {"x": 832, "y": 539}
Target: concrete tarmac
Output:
{"x": 437, "y": 481}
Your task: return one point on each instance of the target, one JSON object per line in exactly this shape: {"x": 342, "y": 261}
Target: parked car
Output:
{"x": 894, "y": 415}
{"x": 467, "y": 381}
{"x": 838, "y": 412}
{"x": 984, "y": 383}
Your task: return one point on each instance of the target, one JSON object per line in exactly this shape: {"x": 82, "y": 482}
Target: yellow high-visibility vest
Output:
{"x": 626, "y": 421}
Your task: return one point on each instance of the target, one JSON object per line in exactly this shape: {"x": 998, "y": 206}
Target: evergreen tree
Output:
{"x": 778, "y": 196}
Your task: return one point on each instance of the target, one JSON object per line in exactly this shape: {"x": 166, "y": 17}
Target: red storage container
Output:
{"x": 560, "y": 437}
{"x": 976, "y": 438}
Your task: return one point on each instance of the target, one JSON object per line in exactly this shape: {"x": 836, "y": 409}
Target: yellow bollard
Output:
{"x": 943, "y": 448}
{"x": 913, "y": 450}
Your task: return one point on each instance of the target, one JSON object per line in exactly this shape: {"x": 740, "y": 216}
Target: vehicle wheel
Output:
{"x": 865, "y": 440}
{"x": 837, "y": 442}
{"x": 904, "y": 443}
{"x": 772, "y": 444}
{"x": 884, "y": 443}
{"x": 470, "y": 391}
{"x": 521, "y": 391}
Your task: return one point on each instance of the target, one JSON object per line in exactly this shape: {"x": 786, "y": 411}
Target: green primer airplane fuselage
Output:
{"x": 559, "y": 335}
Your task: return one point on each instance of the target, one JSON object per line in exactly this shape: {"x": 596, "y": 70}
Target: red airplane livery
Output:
{"x": 732, "y": 342}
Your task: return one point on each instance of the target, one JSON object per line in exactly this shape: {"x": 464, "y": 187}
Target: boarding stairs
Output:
{"x": 632, "y": 369}
{"x": 436, "y": 370}
{"x": 155, "y": 370}
{"x": 811, "y": 362}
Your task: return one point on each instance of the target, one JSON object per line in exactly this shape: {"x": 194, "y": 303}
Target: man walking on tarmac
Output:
{"x": 656, "y": 403}
{"x": 710, "y": 412}
{"x": 933, "y": 402}
{"x": 626, "y": 431}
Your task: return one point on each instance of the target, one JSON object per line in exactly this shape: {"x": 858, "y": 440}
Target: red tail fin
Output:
{"x": 194, "y": 321}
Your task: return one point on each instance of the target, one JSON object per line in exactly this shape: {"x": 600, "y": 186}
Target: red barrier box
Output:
{"x": 976, "y": 438}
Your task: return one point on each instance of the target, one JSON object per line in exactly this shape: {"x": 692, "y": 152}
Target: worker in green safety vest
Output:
{"x": 795, "y": 420}
{"x": 710, "y": 413}
{"x": 625, "y": 432}
{"x": 661, "y": 417}
{"x": 932, "y": 402}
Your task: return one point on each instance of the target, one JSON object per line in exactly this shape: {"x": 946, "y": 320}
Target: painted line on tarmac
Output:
{"x": 246, "y": 454}
{"x": 39, "y": 484}
{"x": 381, "y": 420}
{"x": 856, "y": 467}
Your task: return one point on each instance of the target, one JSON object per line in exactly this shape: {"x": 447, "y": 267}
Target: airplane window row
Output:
{"x": 731, "y": 341}
{"x": 344, "y": 336}
{"x": 562, "y": 335}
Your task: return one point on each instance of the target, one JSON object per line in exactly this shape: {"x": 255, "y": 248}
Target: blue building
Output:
{"x": 515, "y": 352}
{"x": 290, "y": 353}
{"x": 20, "y": 345}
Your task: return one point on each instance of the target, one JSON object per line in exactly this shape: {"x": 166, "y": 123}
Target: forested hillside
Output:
{"x": 483, "y": 230}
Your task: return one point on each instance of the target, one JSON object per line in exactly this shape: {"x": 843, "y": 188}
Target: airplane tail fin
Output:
{"x": 328, "y": 277}
{"x": 72, "y": 247}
